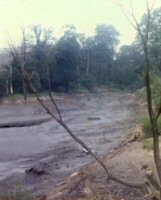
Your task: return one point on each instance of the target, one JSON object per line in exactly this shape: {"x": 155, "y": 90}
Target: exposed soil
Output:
{"x": 102, "y": 121}
{"x": 91, "y": 184}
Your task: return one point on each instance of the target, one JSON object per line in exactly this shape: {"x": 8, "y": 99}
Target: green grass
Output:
{"x": 148, "y": 144}
{"x": 15, "y": 97}
{"x": 16, "y": 195}
{"x": 156, "y": 90}
{"x": 147, "y": 126}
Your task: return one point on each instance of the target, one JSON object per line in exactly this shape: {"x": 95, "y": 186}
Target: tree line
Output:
{"x": 75, "y": 61}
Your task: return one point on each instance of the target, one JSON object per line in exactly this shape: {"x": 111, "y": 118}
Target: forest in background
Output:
{"x": 74, "y": 61}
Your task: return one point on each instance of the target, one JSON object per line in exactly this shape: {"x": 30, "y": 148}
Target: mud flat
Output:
{"x": 102, "y": 121}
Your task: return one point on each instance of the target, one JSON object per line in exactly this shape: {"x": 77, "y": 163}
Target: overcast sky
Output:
{"x": 84, "y": 14}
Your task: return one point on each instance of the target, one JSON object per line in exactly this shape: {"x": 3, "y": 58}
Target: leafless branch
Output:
{"x": 153, "y": 118}
{"x": 51, "y": 96}
{"x": 125, "y": 12}
{"x": 153, "y": 4}
{"x": 81, "y": 143}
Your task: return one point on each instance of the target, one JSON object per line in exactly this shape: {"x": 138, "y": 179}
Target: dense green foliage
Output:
{"x": 74, "y": 61}
{"x": 3, "y": 78}
{"x": 128, "y": 70}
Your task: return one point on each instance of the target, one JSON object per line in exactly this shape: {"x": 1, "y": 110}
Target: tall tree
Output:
{"x": 154, "y": 38}
{"x": 67, "y": 54}
{"x": 128, "y": 68}
{"x": 20, "y": 59}
{"x": 103, "y": 52}
{"x": 144, "y": 34}
{"x": 40, "y": 55}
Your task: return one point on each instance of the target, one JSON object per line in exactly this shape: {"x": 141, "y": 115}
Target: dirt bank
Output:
{"x": 90, "y": 183}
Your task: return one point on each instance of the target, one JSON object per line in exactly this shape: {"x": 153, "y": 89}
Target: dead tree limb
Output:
{"x": 51, "y": 96}
{"x": 153, "y": 117}
{"x": 80, "y": 142}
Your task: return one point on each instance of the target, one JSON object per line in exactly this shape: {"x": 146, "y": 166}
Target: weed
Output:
{"x": 147, "y": 126}
{"x": 16, "y": 195}
{"x": 148, "y": 144}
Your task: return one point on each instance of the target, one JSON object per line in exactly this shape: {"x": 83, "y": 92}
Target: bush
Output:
{"x": 2, "y": 86}
{"x": 156, "y": 90}
{"x": 2, "y": 91}
{"x": 88, "y": 82}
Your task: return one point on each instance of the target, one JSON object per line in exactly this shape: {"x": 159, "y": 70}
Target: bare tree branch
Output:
{"x": 153, "y": 117}
{"x": 51, "y": 96}
{"x": 153, "y": 4}
{"x": 80, "y": 142}
{"x": 125, "y": 11}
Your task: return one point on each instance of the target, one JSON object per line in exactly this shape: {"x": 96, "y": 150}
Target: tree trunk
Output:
{"x": 24, "y": 91}
{"x": 153, "y": 119}
{"x": 7, "y": 87}
{"x": 87, "y": 62}
{"x": 10, "y": 80}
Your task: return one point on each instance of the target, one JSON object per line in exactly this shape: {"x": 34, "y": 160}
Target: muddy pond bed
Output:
{"x": 101, "y": 120}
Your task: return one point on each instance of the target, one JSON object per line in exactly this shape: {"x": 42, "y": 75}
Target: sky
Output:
{"x": 84, "y": 14}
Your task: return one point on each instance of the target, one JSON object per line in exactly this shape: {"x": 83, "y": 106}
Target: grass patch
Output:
{"x": 156, "y": 90}
{"x": 156, "y": 97}
{"x": 148, "y": 144}
{"x": 16, "y": 195}
{"x": 18, "y": 97}
{"x": 147, "y": 126}
{"x": 15, "y": 97}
